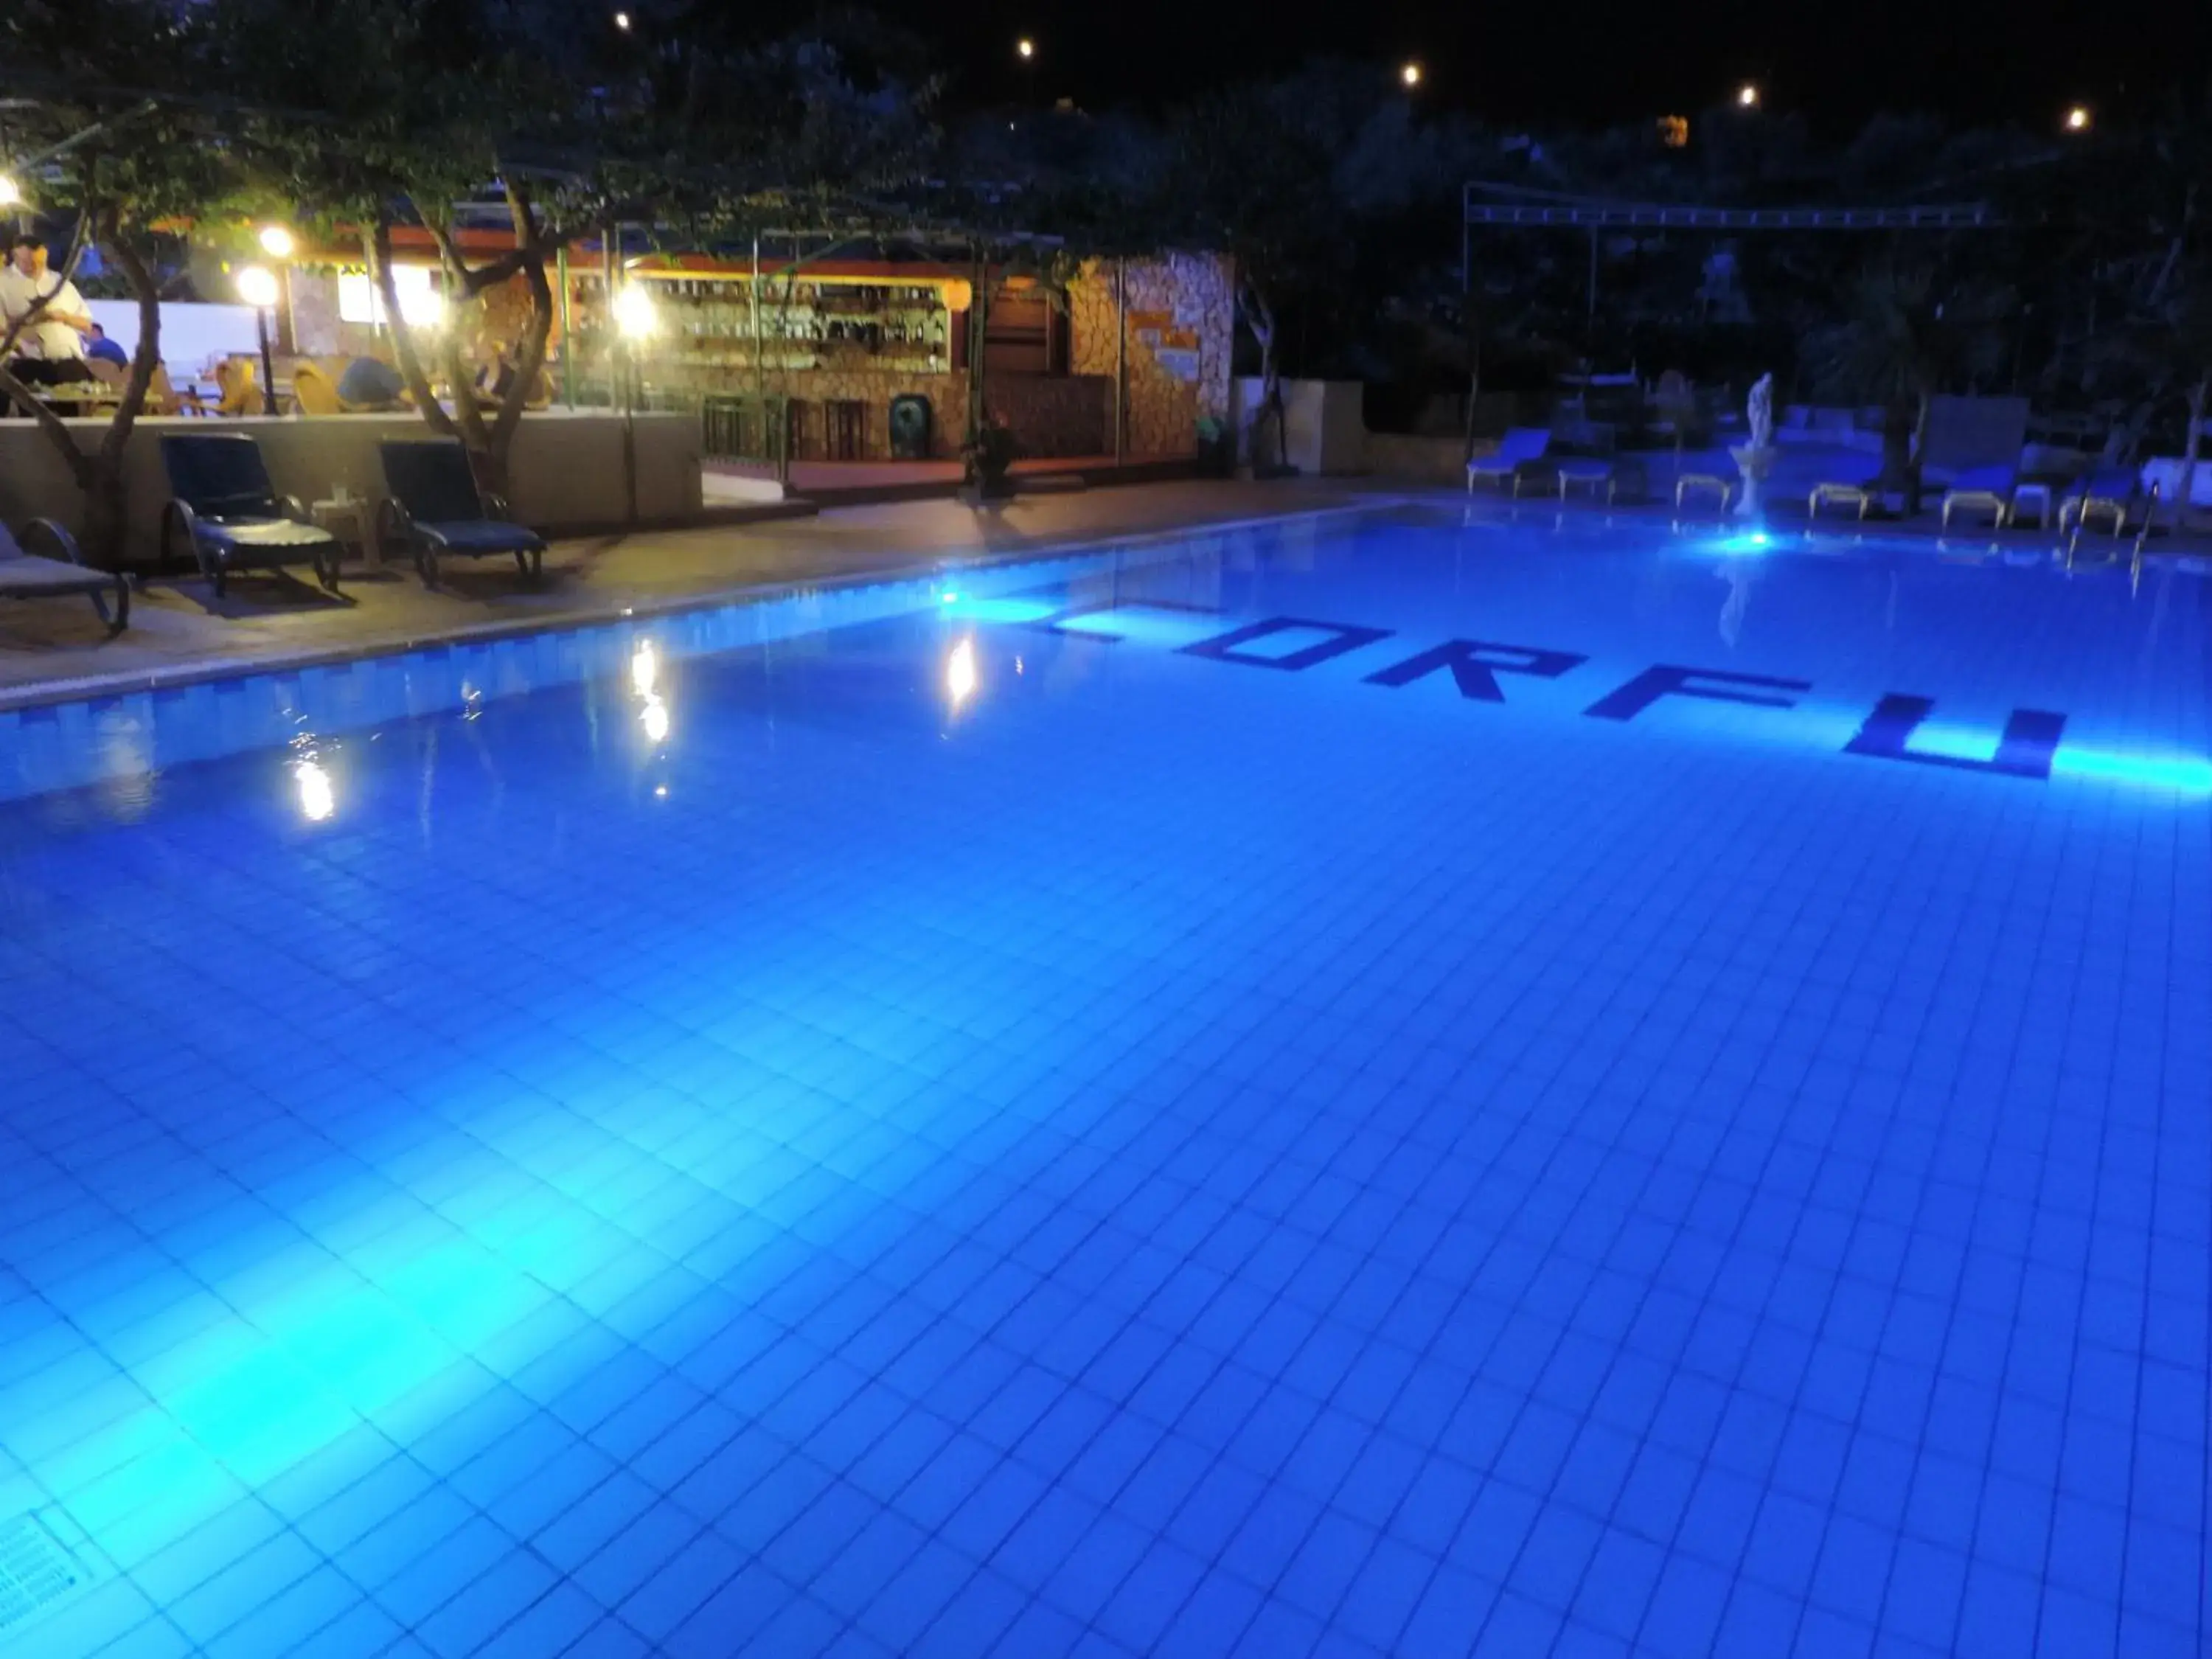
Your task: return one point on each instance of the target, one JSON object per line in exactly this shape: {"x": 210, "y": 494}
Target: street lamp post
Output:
{"x": 257, "y": 285}
{"x": 634, "y": 320}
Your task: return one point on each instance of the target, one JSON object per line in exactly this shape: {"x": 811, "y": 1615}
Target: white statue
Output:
{"x": 1756, "y": 458}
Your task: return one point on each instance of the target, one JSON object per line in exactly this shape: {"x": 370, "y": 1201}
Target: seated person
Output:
{"x": 49, "y": 348}
{"x": 495, "y": 375}
{"x": 99, "y": 349}
{"x": 371, "y": 383}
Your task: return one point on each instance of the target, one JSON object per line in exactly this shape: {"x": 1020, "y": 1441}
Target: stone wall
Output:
{"x": 1052, "y": 415}
{"x": 1057, "y": 416}
{"x": 1181, "y": 322}
{"x": 873, "y": 390}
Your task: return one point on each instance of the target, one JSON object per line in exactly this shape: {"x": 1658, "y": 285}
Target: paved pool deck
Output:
{"x": 54, "y": 649}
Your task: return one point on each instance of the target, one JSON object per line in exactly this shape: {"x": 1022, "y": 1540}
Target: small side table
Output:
{"x": 359, "y": 513}
{"x": 2037, "y": 492}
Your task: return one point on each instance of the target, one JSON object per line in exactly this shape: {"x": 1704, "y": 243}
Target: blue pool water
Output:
{"x": 1387, "y": 1084}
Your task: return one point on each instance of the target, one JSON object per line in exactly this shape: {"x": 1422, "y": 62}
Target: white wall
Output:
{"x": 192, "y": 335}
{"x": 566, "y": 470}
{"x": 1324, "y": 428}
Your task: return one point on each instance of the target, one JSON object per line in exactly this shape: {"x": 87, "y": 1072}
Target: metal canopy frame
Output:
{"x": 1518, "y": 207}
{"x": 1512, "y": 206}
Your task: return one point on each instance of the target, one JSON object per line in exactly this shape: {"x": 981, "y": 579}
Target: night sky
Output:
{"x": 1560, "y": 60}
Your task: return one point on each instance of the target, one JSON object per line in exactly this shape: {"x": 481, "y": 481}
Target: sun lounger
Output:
{"x": 1858, "y": 497}
{"x": 229, "y": 514}
{"x": 25, "y": 576}
{"x": 1984, "y": 489}
{"x": 1516, "y": 454}
{"x": 1590, "y": 472}
{"x": 2108, "y": 492}
{"x": 435, "y": 508}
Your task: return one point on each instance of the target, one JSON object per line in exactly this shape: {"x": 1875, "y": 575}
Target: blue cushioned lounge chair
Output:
{"x": 27, "y": 575}
{"x": 230, "y": 515}
{"x": 1983, "y": 489}
{"x": 435, "y": 508}
{"x": 1517, "y": 453}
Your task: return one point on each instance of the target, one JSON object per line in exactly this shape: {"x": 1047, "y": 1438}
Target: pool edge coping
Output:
{"x": 50, "y": 693}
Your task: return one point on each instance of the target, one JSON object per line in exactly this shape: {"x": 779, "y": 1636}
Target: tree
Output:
{"x": 393, "y": 112}
{"x": 397, "y": 111}
{"x": 1250, "y": 172}
{"x": 123, "y": 163}
{"x": 1909, "y": 329}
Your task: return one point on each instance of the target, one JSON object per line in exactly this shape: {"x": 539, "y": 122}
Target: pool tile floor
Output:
{"x": 1170, "y": 1158}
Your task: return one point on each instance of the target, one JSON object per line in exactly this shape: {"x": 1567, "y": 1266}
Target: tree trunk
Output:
{"x": 98, "y": 471}
{"x": 376, "y": 244}
{"x": 1916, "y": 458}
{"x": 536, "y": 244}
{"x": 2185, "y": 490}
{"x": 1268, "y": 421}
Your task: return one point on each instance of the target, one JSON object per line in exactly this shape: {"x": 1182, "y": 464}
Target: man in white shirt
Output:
{"x": 50, "y": 349}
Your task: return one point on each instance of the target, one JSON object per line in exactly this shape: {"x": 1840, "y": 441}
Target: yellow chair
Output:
{"x": 313, "y": 391}
{"x": 162, "y": 397}
{"x": 240, "y": 380}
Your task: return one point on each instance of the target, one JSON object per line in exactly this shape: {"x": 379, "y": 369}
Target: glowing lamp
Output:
{"x": 634, "y": 312}
{"x": 11, "y": 193}
{"x": 622, "y": 21}
{"x": 276, "y": 241}
{"x": 1026, "y": 49}
{"x": 2077, "y": 119}
{"x": 257, "y": 285}
{"x": 1410, "y": 74}
{"x": 1747, "y": 96}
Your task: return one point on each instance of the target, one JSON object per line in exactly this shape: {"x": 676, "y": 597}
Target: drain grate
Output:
{"x": 36, "y": 1570}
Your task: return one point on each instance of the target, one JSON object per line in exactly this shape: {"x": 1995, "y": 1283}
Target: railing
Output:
{"x": 745, "y": 427}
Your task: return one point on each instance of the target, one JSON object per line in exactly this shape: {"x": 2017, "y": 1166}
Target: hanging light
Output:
{"x": 1410, "y": 74}
{"x": 11, "y": 193}
{"x": 2077, "y": 119}
{"x": 1747, "y": 95}
{"x": 276, "y": 241}
{"x": 1026, "y": 49}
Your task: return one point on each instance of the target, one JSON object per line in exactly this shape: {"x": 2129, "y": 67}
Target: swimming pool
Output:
{"x": 1395, "y": 1083}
